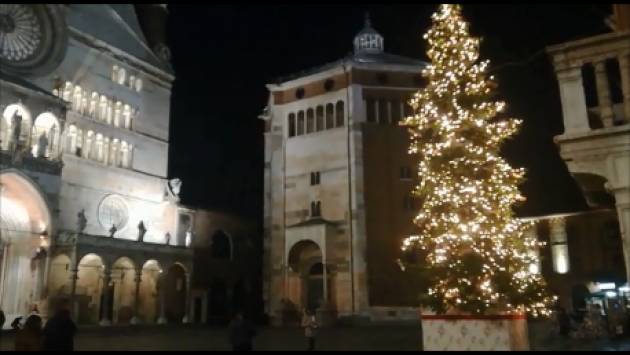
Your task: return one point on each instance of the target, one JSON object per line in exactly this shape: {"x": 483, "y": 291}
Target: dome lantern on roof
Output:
{"x": 368, "y": 40}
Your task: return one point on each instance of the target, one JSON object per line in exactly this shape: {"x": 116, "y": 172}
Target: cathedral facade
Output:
{"x": 87, "y": 212}
{"x": 338, "y": 179}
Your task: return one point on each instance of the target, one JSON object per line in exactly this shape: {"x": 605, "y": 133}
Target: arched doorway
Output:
{"x": 24, "y": 228}
{"x": 305, "y": 281}
{"x": 148, "y": 307}
{"x": 89, "y": 291}
{"x": 123, "y": 276}
{"x": 175, "y": 293}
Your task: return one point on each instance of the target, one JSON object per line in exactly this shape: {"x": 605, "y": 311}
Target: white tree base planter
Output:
{"x": 474, "y": 333}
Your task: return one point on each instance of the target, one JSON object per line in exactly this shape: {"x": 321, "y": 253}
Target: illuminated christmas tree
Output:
{"x": 477, "y": 255}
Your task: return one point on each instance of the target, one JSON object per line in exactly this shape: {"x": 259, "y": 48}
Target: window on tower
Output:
{"x": 291, "y": 125}
{"x": 319, "y": 118}
{"x": 340, "y": 114}
{"x": 310, "y": 121}
{"x": 316, "y": 209}
{"x": 315, "y": 178}
{"x": 300, "y": 123}
{"x": 330, "y": 112}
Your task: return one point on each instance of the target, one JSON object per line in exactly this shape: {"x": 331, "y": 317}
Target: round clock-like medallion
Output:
{"x": 32, "y": 38}
{"x": 113, "y": 212}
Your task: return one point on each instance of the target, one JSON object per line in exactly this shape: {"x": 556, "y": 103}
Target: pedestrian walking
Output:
{"x": 29, "y": 338}
{"x": 309, "y": 323}
{"x": 60, "y": 330}
{"x": 242, "y": 333}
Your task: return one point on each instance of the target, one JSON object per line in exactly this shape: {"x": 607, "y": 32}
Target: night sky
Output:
{"x": 223, "y": 56}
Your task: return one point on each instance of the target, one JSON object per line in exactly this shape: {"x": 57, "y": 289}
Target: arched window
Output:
{"x": 71, "y": 140}
{"x": 78, "y": 147}
{"x": 300, "y": 123}
{"x": 221, "y": 246}
{"x": 122, "y": 76}
{"x": 102, "y": 108}
{"x": 115, "y": 73}
{"x": 319, "y": 118}
{"x": 291, "y": 125}
{"x": 132, "y": 81}
{"x": 45, "y": 131}
{"x": 117, "y": 113}
{"x": 77, "y": 98}
{"x": 126, "y": 114}
{"x": 87, "y": 145}
{"x": 310, "y": 121}
{"x": 84, "y": 105}
{"x": 113, "y": 152}
{"x": 138, "y": 85}
{"x": 98, "y": 148}
{"x": 105, "y": 150}
{"x": 124, "y": 153}
{"x": 12, "y": 115}
{"x": 340, "y": 114}
{"x": 330, "y": 119}
{"x": 93, "y": 103}
{"x": 67, "y": 91}
{"x": 316, "y": 209}
{"x": 110, "y": 111}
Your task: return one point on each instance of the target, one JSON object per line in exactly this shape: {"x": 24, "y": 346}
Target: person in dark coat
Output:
{"x": 29, "y": 338}
{"x": 242, "y": 333}
{"x": 60, "y": 330}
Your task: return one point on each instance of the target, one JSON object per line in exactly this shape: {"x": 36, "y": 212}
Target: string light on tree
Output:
{"x": 477, "y": 253}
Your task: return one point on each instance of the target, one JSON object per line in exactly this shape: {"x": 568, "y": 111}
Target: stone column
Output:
{"x": 162, "y": 295}
{"x": 186, "y": 318}
{"x": 74, "y": 271}
{"x": 603, "y": 94}
{"x": 624, "y": 68}
{"x": 105, "y": 321}
{"x": 559, "y": 245}
{"x": 136, "y": 301}
{"x": 574, "y": 110}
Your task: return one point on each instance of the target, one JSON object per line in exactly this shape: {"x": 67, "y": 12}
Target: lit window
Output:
{"x": 122, "y": 76}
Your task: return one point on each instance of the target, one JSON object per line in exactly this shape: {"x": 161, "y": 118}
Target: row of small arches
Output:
{"x": 97, "y": 106}
{"x": 30, "y": 133}
{"x": 97, "y": 147}
{"x": 315, "y": 120}
{"x": 119, "y": 76}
